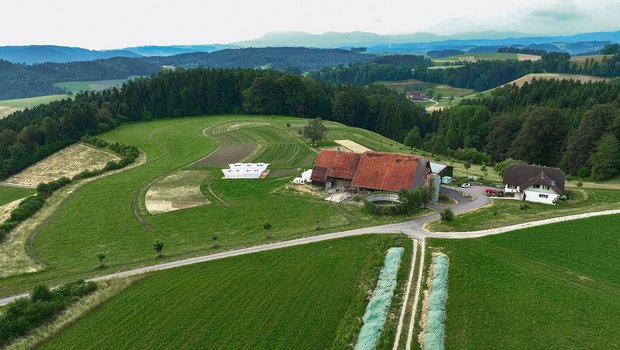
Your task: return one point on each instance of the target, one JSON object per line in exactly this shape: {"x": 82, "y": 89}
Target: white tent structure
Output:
{"x": 245, "y": 170}
{"x": 305, "y": 177}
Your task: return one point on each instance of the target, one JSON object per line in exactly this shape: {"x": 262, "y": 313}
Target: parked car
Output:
{"x": 494, "y": 192}
{"x": 466, "y": 185}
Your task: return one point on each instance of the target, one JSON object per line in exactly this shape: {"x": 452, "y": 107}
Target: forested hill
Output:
{"x": 20, "y": 80}
{"x": 479, "y": 76}
{"x": 30, "y": 135}
{"x": 564, "y": 123}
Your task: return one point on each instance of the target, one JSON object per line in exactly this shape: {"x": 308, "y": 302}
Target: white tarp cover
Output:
{"x": 244, "y": 170}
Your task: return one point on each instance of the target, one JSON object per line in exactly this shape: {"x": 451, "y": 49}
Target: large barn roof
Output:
{"x": 389, "y": 171}
{"x": 524, "y": 176}
{"x": 335, "y": 164}
{"x": 372, "y": 170}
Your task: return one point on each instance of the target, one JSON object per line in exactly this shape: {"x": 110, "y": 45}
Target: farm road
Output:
{"x": 411, "y": 228}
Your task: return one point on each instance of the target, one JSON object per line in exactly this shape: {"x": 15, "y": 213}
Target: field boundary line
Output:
{"x": 403, "y": 310}
{"x": 416, "y": 299}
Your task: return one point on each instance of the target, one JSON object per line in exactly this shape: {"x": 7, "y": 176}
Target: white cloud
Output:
{"x": 121, "y": 23}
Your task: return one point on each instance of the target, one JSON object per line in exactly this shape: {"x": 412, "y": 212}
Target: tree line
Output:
{"x": 21, "y": 80}
{"x": 32, "y": 134}
{"x": 569, "y": 124}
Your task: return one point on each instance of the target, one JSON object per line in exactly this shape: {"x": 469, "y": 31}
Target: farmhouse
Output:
{"x": 416, "y": 96}
{"x": 534, "y": 183}
{"x": 370, "y": 171}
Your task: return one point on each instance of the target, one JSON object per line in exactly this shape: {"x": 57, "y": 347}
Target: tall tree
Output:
{"x": 413, "y": 139}
{"x": 606, "y": 160}
{"x": 315, "y": 130}
{"x": 541, "y": 138}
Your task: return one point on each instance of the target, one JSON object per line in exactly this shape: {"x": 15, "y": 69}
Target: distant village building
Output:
{"x": 169, "y": 68}
{"x": 370, "y": 171}
{"x": 534, "y": 183}
{"x": 416, "y": 96}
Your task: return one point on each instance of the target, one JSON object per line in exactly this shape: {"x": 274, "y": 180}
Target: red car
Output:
{"x": 493, "y": 192}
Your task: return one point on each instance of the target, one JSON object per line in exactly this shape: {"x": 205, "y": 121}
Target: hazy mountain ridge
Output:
{"x": 58, "y": 54}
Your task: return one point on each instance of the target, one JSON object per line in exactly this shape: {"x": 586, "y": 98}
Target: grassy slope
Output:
{"x": 419, "y": 85}
{"x": 99, "y": 216}
{"x": 293, "y": 298}
{"x": 32, "y": 101}
{"x": 9, "y": 194}
{"x": 484, "y": 56}
{"x": 550, "y": 287}
{"x": 96, "y": 85}
{"x": 505, "y": 212}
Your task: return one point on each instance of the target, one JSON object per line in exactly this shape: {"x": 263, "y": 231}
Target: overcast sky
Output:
{"x": 122, "y": 23}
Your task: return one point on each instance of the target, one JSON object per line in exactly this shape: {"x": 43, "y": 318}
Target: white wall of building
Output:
{"x": 244, "y": 170}
{"x": 543, "y": 194}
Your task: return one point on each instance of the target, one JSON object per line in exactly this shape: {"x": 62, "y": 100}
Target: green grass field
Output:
{"x": 101, "y": 216}
{"x": 9, "y": 194}
{"x": 504, "y": 212}
{"x": 96, "y": 85}
{"x": 549, "y": 287}
{"x": 32, "y": 101}
{"x": 422, "y": 86}
{"x": 486, "y": 56}
{"x": 295, "y": 298}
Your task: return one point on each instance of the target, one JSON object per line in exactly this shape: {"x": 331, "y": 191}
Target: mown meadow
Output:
{"x": 9, "y": 194}
{"x": 548, "y": 287}
{"x": 304, "y": 297}
{"x": 108, "y": 215}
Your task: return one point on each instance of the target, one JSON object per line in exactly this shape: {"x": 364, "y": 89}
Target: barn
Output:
{"x": 375, "y": 171}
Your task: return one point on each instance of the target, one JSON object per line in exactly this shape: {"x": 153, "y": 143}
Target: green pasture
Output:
{"x": 305, "y": 297}
{"x": 32, "y": 101}
{"x": 95, "y": 85}
{"x": 484, "y": 56}
{"x": 504, "y": 212}
{"x": 9, "y": 194}
{"x": 422, "y": 86}
{"x": 548, "y": 287}
{"x": 108, "y": 215}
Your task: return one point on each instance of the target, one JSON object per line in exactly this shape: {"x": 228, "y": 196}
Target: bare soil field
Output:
{"x": 179, "y": 190}
{"x": 582, "y": 78}
{"x": 226, "y": 155}
{"x": 525, "y": 57}
{"x": 6, "y": 110}
{"x": 66, "y": 162}
{"x": 467, "y": 59}
{"x": 352, "y": 146}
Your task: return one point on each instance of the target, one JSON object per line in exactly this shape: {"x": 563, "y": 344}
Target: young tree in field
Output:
{"x": 216, "y": 244}
{"x": 317, "y": 224}
{"x": 467, "y": 165}
{"x": 606, "y": 160}
{"x": 101, "y": 258}
{"x": 267, "y": 227}
{"x": 159, "y": 247}
{"x": 315, "y": 130}
{"x": 447, "y": 215}
{"x": 485, "y": 170}
{"x": 413, "y": 139}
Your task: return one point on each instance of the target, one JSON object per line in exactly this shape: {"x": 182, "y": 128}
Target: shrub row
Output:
{"x": 43, "y": 306}
{"x": 29, "y": 206}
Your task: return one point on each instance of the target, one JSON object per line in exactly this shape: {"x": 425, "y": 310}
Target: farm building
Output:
{"x": 534, "y": 183}
{"x": 245, "y": 170}
{"x": 304, "y": 178}
{"x": 370, "y": 171}
{"x": 446, "y": 172}
{"x": 416, "y": 96}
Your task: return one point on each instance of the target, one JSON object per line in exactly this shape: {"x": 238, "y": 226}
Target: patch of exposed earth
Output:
{"x": 67, "y": 162}
{"x": 180, "y": 190}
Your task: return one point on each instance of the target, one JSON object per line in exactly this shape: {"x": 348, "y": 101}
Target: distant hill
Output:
{"x": 177, "y": 49}
{"x": 57, "y": 54}
{"x": 19, "y": 80}
{"x": 424, "y": 42}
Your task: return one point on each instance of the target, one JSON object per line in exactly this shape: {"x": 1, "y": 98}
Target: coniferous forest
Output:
{"x": 558, "y": 123}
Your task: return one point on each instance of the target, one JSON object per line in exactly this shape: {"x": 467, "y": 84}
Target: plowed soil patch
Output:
{"x": 177, "y": 191}
{"x": 226, "y": 155}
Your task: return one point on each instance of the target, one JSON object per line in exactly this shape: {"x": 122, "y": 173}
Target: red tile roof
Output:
{"x": 372, "y": 170}
{"x": 388, "y": 171}
{"x": 335, "y": 164}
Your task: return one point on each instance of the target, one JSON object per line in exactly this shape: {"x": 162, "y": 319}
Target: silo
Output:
{"x": 434, "y": 181}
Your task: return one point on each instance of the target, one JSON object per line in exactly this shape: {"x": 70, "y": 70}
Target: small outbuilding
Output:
{"x": 534, "y": 183}
{"x": 245, "y": 170}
